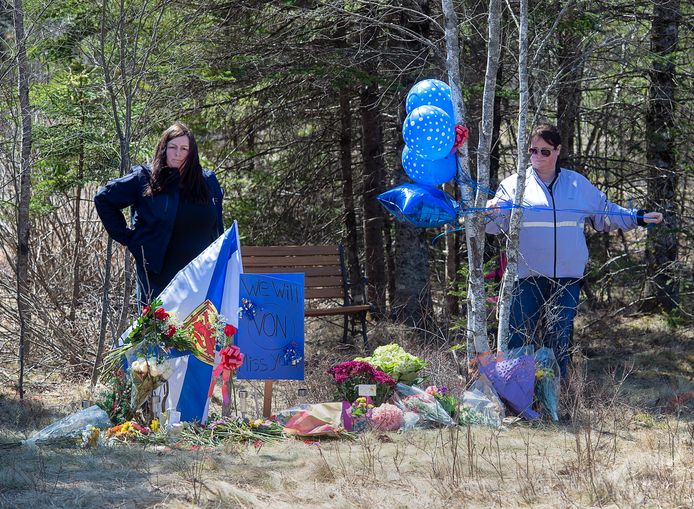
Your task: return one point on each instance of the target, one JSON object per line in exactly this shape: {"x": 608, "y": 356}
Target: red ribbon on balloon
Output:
{"x": 461, "y": 135}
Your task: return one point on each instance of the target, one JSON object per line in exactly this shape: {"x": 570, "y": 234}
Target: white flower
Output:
{"x": 155, "y": 370}
{"x": 140, "y": 366}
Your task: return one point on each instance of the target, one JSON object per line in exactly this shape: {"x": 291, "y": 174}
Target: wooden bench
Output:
{"x": 326, "y": 279}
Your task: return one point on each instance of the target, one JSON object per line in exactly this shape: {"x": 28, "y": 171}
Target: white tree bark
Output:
{"x": 474, "y": 227}
{"x": 516, "y": 213}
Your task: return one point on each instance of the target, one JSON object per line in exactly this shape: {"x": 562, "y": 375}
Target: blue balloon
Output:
{"x": 430, "y": 92}
{"x": 423, "y": 171}
{"x": 429, "y": 132}
{"x": 423, "y": 206}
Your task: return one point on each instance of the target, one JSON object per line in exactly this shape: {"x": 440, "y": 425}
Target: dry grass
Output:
{"x": 612, "y": 452}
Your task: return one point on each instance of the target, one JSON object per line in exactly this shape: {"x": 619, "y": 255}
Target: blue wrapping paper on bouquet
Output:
{"x": 547, "y": 381}
{"x": 514, "y": 381}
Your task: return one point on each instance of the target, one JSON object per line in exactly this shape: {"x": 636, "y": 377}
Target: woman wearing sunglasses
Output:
{"x": 552, "y": 247}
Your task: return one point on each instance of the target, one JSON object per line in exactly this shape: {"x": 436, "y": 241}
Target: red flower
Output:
{"x": 160, "y": 314}
{"x": 170, "y": 331}
{"x": 232, "y": 359}
{"x": 229, "y": 330}
{"x": 145, "y": 310}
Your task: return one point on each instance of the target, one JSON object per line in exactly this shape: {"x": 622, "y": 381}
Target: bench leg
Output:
{"x": 363, "y": 330}
{"x": 346, "y": 326}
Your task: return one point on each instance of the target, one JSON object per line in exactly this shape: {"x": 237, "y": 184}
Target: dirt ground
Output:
{"x": 626, "y": 440}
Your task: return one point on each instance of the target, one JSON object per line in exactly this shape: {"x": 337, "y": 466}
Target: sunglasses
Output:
{"x": 544, "y": 151}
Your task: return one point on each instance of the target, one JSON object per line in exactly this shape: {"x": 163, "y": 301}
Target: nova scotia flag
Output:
{"x": 203, "y": 290}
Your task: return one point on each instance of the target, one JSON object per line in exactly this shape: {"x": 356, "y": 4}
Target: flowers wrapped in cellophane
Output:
{"x": 420, "y": 409}
{"x": 147, "y": 373}
{"x": 547, "y": 381}
{"x": 513, "y": 377}
{"x": 360, "y": 411}
{"x": 145, "y": 352}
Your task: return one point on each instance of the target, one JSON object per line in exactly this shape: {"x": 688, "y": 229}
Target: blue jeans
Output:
{"x": 542, "y": 313}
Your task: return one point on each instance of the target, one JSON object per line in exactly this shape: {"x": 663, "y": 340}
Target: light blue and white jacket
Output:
{"x": 552, "y": 240}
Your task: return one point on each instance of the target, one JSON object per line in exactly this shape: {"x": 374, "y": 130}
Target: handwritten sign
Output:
{"x": 271, "y": 327}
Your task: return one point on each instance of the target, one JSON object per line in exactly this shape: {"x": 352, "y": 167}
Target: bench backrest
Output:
{"x": 323, "y": 267}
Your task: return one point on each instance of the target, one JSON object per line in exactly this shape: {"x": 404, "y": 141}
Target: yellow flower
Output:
{"x": 154, "y": 425}
{"x": 257, "y": 423}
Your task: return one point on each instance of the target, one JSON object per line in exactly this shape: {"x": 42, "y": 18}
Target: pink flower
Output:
{"x": 344, "y": 371}
{"x": 387, "y": 417}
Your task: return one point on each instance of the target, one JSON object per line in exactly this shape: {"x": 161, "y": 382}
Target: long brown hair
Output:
{"x": 188, "y": 178}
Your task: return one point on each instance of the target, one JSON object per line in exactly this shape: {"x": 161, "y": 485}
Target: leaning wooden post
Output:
{"x": 267, "y": 399}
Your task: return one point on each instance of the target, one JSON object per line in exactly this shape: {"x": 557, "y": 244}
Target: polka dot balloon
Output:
{"x": 429, "y": 132}
{"x": 432, "y": 93}
{"x": 428, "y": 172}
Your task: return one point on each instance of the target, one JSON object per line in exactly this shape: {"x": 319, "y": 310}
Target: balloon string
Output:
{"x": 467, "y": 210}
{"x": 443, "y": 234}
{"x": 528, "y": 207}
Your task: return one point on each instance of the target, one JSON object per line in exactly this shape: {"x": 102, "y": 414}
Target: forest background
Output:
{"x": 298, "y": 107}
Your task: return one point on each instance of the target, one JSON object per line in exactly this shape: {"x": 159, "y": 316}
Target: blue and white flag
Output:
{"x": 202, "y": 292}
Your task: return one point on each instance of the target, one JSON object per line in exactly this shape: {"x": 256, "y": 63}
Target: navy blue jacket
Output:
{"x": 153, "y": 216}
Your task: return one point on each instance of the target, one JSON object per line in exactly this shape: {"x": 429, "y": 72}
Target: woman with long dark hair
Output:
{"x": 176, "y": 210}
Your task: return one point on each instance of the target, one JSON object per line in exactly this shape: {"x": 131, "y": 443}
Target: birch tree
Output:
{"x": 474, "y": 227}
{"x": 516, "y": 213}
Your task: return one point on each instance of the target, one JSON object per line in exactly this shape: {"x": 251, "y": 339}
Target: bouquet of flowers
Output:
{"x": 396, "y": 362}
{"x": 514, "y": 381}
{"x": 444, "y": 397}
{"x": 387, "y": 417}
{"x": 360, "y": 412}
{"x": 546, "y": 381}
{"x": 154, "y": 334}
{"x": 232, "y": 429}
{"x": 147, "y": 373}
{"x": 427, "y": 409}
{"x": 348, "y": 375}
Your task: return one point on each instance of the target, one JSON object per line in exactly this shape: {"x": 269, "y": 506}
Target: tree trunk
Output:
{"x": 474, "y": 227}
{"x": 351, "y": 239}
{"x": 372, "y": 155}
{"x": 23, "y": 225}
{"x": 76, "y": 263}
{"x": 505, "y": 296}
{"x": 373, "y": 163}
{"x": 412, "y": 302}
{"x": 570, "y": 63}
{"x": 661, "y": 244}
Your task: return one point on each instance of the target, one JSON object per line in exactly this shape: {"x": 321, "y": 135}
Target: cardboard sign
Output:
{"x": 271, "y": 327}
